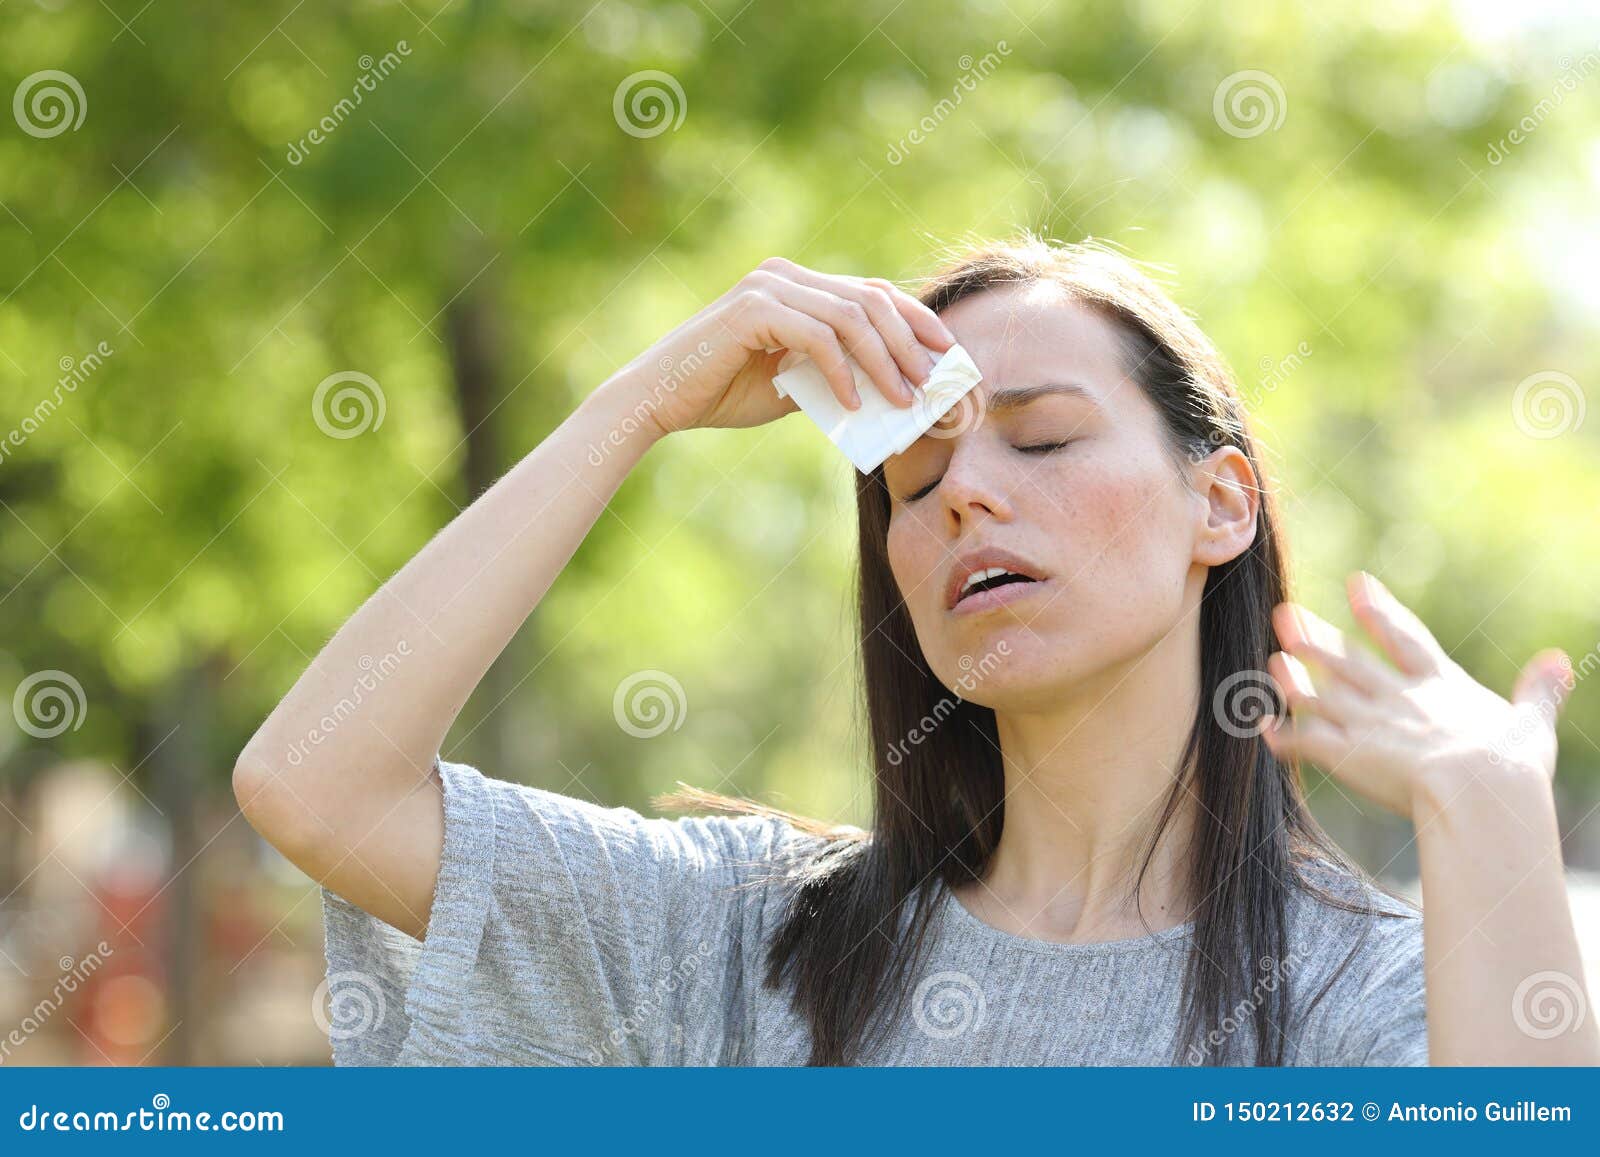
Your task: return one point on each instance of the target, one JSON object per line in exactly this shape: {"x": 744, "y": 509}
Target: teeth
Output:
{"x": 979, "y": 576}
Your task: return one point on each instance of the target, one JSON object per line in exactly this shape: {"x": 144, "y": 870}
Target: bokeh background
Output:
{"x": 282, "y": 286}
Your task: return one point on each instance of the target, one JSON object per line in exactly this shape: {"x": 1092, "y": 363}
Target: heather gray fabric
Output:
{"x": 567, "y": 933}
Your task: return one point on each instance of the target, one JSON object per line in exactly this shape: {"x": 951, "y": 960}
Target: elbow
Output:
{"x": 269, "y": 802}
{"x": 252, "y": 778}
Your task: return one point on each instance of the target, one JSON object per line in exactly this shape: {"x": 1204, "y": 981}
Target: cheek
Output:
{"x": 914, "y": 554}
{"x": 1128, "y": 526}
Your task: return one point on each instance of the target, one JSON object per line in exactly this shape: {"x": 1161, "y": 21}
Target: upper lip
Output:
{"x": 976, "y": 560}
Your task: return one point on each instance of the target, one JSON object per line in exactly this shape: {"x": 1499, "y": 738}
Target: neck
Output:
{"x": 1086, "y": 783}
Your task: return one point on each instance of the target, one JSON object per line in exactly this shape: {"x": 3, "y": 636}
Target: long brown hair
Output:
{"x": 862, "y": 908}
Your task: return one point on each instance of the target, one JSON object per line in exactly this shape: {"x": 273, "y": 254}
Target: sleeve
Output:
{"x": 561, "y": 933}
{"x": 1383, "y": 1012}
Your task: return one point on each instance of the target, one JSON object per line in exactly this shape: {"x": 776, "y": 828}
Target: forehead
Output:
{"x": 1035, "y": 332}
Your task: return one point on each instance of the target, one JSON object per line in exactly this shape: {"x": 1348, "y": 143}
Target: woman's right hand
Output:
{"x": 715, "y": 370}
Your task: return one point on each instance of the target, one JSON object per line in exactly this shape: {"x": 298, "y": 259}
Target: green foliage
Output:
{"x": 1380, "y": 285}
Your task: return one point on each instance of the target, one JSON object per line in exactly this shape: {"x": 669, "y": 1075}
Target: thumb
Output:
{"x": 1546, "y": 682}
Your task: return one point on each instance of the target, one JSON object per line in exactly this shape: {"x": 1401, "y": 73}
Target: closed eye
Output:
{"x": 1037, "y": 448}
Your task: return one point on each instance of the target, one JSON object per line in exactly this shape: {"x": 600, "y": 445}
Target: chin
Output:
{"x": 1008, "y": 668}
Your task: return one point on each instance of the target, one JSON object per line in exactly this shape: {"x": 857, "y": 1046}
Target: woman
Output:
{"x": 1086, "y": 848}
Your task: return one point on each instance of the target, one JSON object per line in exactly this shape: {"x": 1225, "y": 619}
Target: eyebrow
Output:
{"x": 1016, "y": 397}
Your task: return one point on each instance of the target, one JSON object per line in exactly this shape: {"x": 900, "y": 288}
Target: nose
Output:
{"x": 974, "y": 486}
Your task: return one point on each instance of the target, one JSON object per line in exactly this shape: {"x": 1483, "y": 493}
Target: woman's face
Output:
{"x": 1106, "y": 523}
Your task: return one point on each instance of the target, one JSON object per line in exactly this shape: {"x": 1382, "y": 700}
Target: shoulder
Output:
{"x": 1356, "y": 962}
{"x": 536, "y": 829}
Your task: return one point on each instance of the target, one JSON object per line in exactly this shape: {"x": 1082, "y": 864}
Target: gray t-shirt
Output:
{"x": 567, "y": 933}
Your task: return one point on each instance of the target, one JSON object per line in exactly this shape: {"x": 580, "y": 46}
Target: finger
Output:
{"x": 1546, "y": 681}
{"x": 1307, "y": 737}
{"x": 1394, "y": 626}
{"x": 929, "y": 327}
{"x": 787, "y": 328}
{"x": 854, "y": 325}
{"x": 1330, "y": 699}
{"x": 886, "y": 323}
{"x": 898, "y": 336}
{"x": 1312, "y": 639}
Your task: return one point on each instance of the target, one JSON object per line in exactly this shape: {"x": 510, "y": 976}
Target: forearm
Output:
{"x": 1497, "y": 926}
{"x": 396, "y": 675}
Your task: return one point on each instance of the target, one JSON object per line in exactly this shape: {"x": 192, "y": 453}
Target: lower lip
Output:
{"x": 996, "y": 597}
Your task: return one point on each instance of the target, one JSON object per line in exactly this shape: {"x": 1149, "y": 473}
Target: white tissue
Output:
{"x": 879, "y": 428}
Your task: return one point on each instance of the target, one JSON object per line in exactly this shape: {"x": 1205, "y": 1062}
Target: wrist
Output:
{"x": 1456, "y": 795}
{"x": 621, "y": 418}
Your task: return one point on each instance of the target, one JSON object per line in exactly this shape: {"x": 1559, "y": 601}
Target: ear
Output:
{"x": 1230, "y": 498}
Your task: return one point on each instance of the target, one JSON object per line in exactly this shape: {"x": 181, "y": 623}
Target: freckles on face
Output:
{"x": 1103, "y": 515}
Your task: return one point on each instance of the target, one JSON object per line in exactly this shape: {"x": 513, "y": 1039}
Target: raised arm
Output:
{"x": 1473, "y": 772}
{"x": 339, "y": 777}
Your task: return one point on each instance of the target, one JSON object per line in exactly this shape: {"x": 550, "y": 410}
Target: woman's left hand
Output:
{"x": 1388, "y": 731}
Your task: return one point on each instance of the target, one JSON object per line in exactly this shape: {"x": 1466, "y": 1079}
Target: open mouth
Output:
{"x": 993, "y": 578}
